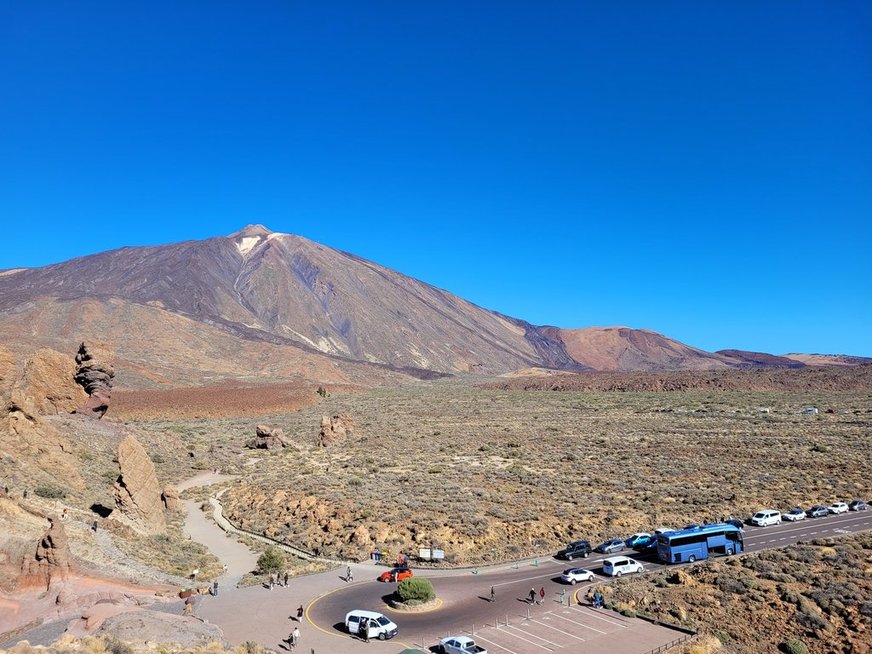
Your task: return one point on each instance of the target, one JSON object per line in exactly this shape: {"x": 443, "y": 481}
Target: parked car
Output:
{"x": 377, "y": 625}
{"x": 817, "y": 511}
{"x": 574, "y": 575}
{"x": 794, "y": 514}
{"x": 610, "y": 546}
{"x": 575, "y": 549}
{"x": 838, "y": 507}
{"x": 858, "y": 505}
{"x": 460, "y": 645}
{"x": 396, "y": 575}
{"x": 645, "y": 544}
{"x": 636, "y": 539}
{"x": 621, "y": 565}
{"x": 766, "y": 517}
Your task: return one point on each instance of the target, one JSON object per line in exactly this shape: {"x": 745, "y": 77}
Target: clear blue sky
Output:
{"x": 700, "y": 169}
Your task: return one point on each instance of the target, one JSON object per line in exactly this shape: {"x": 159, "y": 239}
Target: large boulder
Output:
{"x": 137, "y": 491}
{"x": 334, "y": 430}
{"x": 268, "y": 438}
{"x": 52, "y": 560}
{"x": 48, "y": 383}
{"x": 171, "y": 500}
{"x": 96, "y": 379}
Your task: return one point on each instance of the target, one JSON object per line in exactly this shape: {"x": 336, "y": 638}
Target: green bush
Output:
{"x": 50, "y": 492}
{"x": 271, "y": 560}
{"x": 415, "y": 590}
{"x": 794, "y": 646}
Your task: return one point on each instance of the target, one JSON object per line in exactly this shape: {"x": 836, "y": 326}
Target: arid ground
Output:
{"x": 492, "y": 474}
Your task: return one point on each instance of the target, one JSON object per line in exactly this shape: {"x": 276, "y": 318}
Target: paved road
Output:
{"x": 465, "y": 596}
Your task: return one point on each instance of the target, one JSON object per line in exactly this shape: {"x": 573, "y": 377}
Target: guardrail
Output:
{"x": 670, "y": 645}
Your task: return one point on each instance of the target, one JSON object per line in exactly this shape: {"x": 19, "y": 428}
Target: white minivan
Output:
{"x": 621, "y": 565}
{"x": 377, "y": 625}
{"x": 766, "y": 517}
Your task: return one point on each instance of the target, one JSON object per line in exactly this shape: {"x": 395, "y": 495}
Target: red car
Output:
{"x": 395, "y": 575}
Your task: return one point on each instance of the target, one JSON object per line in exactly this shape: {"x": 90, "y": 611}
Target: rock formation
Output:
{"x": 48, "y": 382}
{"x": 137, "y": 492}
{"x": 96, "y": 379}
{"x": 52, "y": 560}
{"x": 171, "y": 500}
{"x": 26, "y": 392}
{"x": 268, "y": 438}
{"x": 334, "y": 429}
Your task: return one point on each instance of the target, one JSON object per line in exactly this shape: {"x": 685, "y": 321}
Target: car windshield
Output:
{"x": 383, "y": 621}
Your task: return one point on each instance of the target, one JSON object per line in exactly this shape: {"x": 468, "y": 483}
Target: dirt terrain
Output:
{"x": 845, "y": 378}
{"x": 221, "y": 400}
{"x": 819, "y": 593}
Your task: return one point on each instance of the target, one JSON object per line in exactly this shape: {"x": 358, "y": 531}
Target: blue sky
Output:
{"x": 700, "y": 169}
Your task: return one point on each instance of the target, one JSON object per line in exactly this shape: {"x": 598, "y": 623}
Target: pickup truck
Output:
{"x": 460, "y": 645}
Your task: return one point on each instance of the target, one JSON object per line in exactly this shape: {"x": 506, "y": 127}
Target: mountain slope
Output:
{"x": 626, "y": 349}
{"x": 287, "y": 290}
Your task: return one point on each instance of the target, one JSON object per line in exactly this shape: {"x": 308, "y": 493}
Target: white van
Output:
{"x": 766, "y": 517}
{"x": 377, "y": 625}
{"x": 621, "y": 565}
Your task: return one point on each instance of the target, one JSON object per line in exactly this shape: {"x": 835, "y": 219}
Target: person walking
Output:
{"x": 348, "y": 576}
{"x": 493, "y": 597}
{"x": 532, "y": 595}
{"x": 299, "y": 613}
{"x": 214, "y": 589}
{"x": 295, "y": 637}
{"x": 542, "y": 595}
{"x": 286, "y": 580}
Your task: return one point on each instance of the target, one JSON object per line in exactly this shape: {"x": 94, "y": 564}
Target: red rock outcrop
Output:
{"x": 52, "y": 560}
{"x": 96, "y": 379}
{"x": 334, "y": 429}
{"x": 137, "y": 491}
{"x": 268, "y": 438}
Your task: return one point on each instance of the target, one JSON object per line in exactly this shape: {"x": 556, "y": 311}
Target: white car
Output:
{"x": 766, "y": 517}
{"x": 838, "y": 507}
{"x": 794, "y": 514}
{"x": 574, "y": 575}
{"x": 616, "y": 566}
{"x": 460, "y": 645}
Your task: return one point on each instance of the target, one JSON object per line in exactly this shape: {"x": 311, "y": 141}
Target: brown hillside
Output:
{"x": 623, "y": 348}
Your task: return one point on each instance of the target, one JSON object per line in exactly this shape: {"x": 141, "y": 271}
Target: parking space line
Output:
{"x": 478, "y": 637}
{"x": 531, "y": 634}
{"x": 580, "y": 624}
{"x": 599, "y": 617}
{"x": 550, "y": 649}
{"x": 565, "y": 633}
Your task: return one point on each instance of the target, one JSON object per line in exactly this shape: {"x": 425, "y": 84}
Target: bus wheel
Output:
{"x": 691, "y": 558}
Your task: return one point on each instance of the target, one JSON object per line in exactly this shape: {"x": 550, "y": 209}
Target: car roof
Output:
{"x": 615, "y": 559}
{"x": 364, "y": 614}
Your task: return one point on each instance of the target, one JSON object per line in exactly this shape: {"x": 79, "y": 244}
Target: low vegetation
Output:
{"x": 811, "y": 597}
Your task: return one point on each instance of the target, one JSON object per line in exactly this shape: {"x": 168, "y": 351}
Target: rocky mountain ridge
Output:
{"x": 265, "y": 305}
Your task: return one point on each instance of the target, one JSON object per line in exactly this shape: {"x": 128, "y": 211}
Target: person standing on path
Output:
{"x": 348, "y": 576}
{"x": 363, "y": 630}
{"x": 286, "y": 580}
{"x": 300, "y": 613}
{"x": 295, "y": 637}
{"x": 493, "y": 597}
{"x": 532, "y": 596}
{"x": 214, "y": 589}
{"x": 542, "y": 595}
